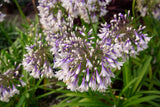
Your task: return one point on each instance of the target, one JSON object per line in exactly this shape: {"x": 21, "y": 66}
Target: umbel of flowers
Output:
{"x": 80, "y": 56}
{"x": 36, "y": 61}
{"x": 86, "y": 59}
{"x": 55, "y": 15}
{"x": 80, "y": 59}
{"x": 9, "y": 81}
{"x": 126, "y": 39}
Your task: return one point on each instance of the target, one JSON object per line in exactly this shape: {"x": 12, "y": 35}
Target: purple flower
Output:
{"x": 79, "y": 58}
{"x": 36, "y": 61}
{"x": 127, "y": 37}
{"x": 10, "y": 80}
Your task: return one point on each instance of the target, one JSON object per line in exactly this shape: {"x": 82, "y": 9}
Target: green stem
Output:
{"x": 21, "y": 12}
{"x": 133, "y": 7}
{"x": 94, "y": 31}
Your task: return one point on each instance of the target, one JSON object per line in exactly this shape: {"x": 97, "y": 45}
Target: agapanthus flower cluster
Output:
{"x": 86, "y": 59}
{"x": 37, "y": 60}
{"x": 88, "y": 10}
{"x": 9, "y": 81}
{"x": 52, "y": 17}
{"x": 56, "y": 15}
{"x": 122, "y": 34}
{"x": 146, "y": 7}
{"x": 80, "y": 58}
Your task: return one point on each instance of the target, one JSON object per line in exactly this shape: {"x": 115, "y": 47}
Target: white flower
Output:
{"x": 83, "y": 87}
{"x": 102, "y": 87}
{"x": 73, "y": 85}
{"x": 98, "y": 77}
{"x": 89, "y": 64}
{"x": 103, "y": 71}
{"x": 14, "y": 91}
{"x": 5, "y": 96}
{"x": 7, "y": 1}
{"x": 93, "y": 83}
{"x": 22, "y": 83}
{"x": 78, "y": 69}
{"x": 2, "y": 16}
{"x": 87, "y": 75}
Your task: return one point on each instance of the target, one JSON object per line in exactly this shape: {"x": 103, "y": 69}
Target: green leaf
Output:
{"x": 48, "y": 93}
{"x": 127, "y": 86}
{"x": 133, "y": 97}
{"x": 126, "y": 73}
{"x": 142, "y": 73}
{"x": 141, "y": 100}
{"x": 153, "y": 103}
{"x": 150, "y": 92}
{"x": 85, "y": 104}
{"x": 21, "y": 101}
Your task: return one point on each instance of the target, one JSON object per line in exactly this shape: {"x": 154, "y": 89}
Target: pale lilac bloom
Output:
{"x": 130, "y": 41}
{"x": 10, "y": 81}
{"x": 36, "y": 62}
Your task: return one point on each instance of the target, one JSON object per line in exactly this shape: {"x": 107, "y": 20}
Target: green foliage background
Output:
{"x": 139, "y": 79}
